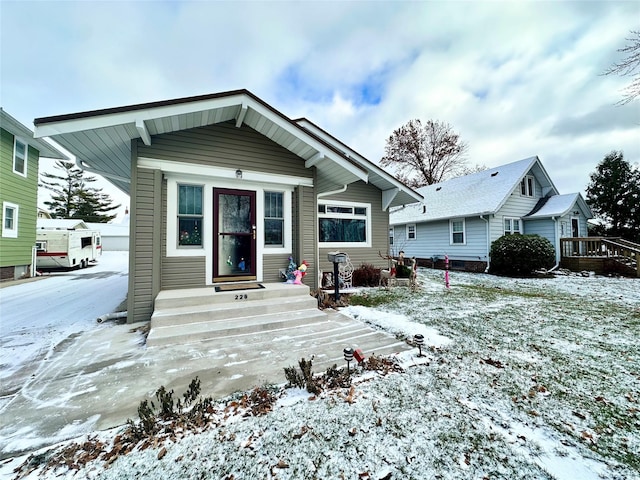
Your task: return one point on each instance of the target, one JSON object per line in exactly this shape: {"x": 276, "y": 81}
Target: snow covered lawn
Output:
{"x": 536, "y": 378}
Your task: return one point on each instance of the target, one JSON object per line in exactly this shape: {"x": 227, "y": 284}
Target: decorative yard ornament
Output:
{"x": 300, "y": 272}
{"x": 418, "y": 339}
{"x": 348, "y": 356}
{"x": 446, "y": 271}
{"x": 358, "y": 355}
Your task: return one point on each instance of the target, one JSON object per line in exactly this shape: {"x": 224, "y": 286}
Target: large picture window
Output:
{"x": 190, "y": 215}
{"x": 341, "y": 223}
{"x": 274, "y": 219}
{"x": 20, "y": 151}
{"x": 456, "y": 228}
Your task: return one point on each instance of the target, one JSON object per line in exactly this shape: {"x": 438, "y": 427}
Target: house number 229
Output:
{"x": 242, "y": 296}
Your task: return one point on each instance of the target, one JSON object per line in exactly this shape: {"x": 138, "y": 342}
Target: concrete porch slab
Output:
{"x": 97, "y": 380}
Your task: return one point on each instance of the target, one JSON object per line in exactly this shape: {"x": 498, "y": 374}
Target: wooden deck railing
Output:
{"x": 602, "y": 247}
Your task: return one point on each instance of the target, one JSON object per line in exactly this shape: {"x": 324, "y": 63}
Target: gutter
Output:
{"x": 486, "y": 270}
{"x": 333, "y": 192}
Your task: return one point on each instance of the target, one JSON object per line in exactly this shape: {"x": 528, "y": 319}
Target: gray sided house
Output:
{"x": 225, "y": 188}
{"x": 19, "y": 162}
{"x": 461, "y": 217}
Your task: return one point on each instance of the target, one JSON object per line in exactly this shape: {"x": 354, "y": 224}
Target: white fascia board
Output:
{"x": 131, "y": 116}
{"x": 220, "y": 172}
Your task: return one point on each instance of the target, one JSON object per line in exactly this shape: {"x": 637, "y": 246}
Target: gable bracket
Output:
{"x": 143, "y": 132}
{"x": 388, "y": 196}
{"x": 314, "y": 160}
{"x": 241, "y": 114}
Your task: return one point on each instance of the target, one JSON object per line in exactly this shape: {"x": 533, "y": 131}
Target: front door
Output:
{"x": 234, "y": 234}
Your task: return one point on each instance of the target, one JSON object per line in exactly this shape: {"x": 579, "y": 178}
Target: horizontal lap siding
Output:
{"x": 141, "y": 284}
{"x": 21, "y": 191}
{"x": 543, "y": 227}
{"x": 363, "y": 193}
{"x": 225, "y": 145}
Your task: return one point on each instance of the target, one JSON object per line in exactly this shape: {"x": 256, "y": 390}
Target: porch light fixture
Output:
{"x": 238, "y": 174}
{"x": 348, "y": 356}
{"x": 418, "y": 339}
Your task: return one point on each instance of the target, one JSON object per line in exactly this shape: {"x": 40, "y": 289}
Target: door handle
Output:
{"x": 253, "y": 230}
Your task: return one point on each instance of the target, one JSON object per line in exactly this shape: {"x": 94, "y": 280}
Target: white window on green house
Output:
{"x": 20, "y": 151}
{"x": 512, "y": 225}
{"x": 342, "y": 224}
{"x": 456, "y": 228}
{"x": 190, "y": 215}
{"x": 274, "y": 219}
{"x": 411, "y": 231}
{"x": 10, "y": 220}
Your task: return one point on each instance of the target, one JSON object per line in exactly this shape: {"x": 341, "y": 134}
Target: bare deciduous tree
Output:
{"x": 425, "y": 154}
{"x": 629, "y": 67}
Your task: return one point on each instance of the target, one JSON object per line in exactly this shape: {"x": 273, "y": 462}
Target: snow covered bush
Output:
{"x": 520, "y": 255}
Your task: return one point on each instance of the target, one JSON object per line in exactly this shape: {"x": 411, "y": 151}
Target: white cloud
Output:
{"x": 513, "y": 78}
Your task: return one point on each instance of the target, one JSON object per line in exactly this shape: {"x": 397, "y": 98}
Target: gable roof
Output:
{"x": 17, "y": 129}
{"x": 481, "y": 193}
{"x": 559, "y": 206}
{"x": 101, "y": 139}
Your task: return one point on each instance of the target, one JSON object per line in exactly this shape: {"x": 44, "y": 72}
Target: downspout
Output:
{"x": 557, "y": 243}
{"x": 486, "y": 270}
{"x": 111, "y": 316}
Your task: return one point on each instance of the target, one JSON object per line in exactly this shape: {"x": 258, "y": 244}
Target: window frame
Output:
{"x": 179, "y": 216}
{"x": 25, "y": 160}
{"x": 452, "y": 232}
{"x": 528, "y": 186}
{"x": 11, "y": 232}
{"x": 283, "y": 198}
{"x": 408, "y": 231}
{"x": 342, "y": 215}
{"x": 511, "y": 230}
{"x": 391, "y": 235}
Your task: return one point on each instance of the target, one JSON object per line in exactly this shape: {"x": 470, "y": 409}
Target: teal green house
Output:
{"x": 19, "y": 157}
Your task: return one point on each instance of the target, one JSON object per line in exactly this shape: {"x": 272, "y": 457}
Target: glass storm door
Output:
{"x": 234, "y": 235}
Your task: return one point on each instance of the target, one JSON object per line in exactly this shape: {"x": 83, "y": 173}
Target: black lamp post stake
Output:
{"x": 418, "y": 339}
{"x": 348, "y": 356}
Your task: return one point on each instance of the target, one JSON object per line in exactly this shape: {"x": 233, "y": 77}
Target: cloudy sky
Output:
{"x": 514, "y": 79}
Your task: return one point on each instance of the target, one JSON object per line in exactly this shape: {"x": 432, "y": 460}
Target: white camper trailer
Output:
{"x": 61, "y": 247}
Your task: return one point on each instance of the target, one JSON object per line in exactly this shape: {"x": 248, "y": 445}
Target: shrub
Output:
{"x": 366, "y": 276}
{"x": 520, "y": 255}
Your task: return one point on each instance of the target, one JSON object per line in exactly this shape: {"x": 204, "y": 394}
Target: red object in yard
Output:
{"x": 358, "y": 355}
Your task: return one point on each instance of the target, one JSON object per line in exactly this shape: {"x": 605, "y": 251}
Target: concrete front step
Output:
{"x": 207, "y": 295}
{"x": 226, "y": 312}
{"x": 231, "y": 327}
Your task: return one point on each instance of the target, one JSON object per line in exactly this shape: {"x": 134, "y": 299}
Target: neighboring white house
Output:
{"x": 461, "y": 217}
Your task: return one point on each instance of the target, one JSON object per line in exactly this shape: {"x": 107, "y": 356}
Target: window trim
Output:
{"x": 391, "y": 235}
{"x": 451, "y": 231}
{"x": 10, "y": 232}
{"x": 26, "y": 157}
{"x": 178, "y": 216}
{"x": 283, "y": 218}
{"x": 408, "y": 231}
{"x": 511, "y": 230}
{"x": 345, "y": 204}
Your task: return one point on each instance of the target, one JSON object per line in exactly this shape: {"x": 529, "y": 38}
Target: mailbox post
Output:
{"x": 336, "y": 258}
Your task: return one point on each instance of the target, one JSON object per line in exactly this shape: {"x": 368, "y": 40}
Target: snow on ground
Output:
{"x": 37, "y": 315}
{"x": 536, "y": 378}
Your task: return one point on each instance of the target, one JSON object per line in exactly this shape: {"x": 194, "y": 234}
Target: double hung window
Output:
{"x": 457, "y": 232}
{"x": 511, "y": 226}
{"x": 20, "y": 150}
{"x": 190, "y": 215}
{"x": 274, "y": 219}
{"x": 527, "y": 186}
{"x": 10, "y": 220}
